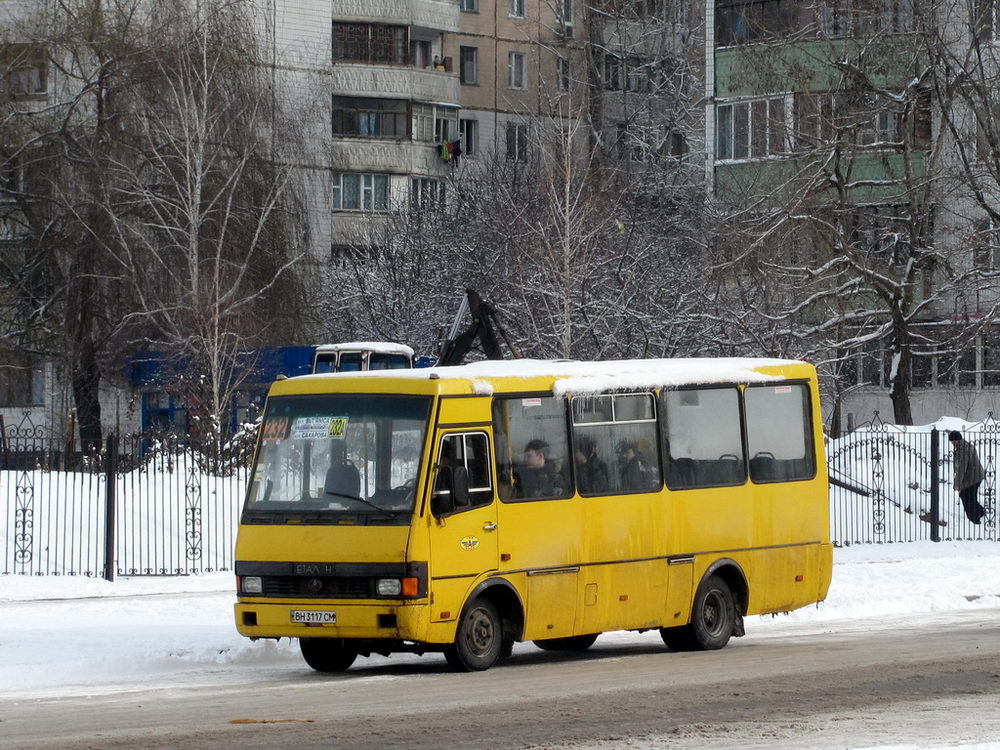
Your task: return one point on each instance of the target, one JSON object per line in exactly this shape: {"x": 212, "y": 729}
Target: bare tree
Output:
{"x": 159, "y": 212}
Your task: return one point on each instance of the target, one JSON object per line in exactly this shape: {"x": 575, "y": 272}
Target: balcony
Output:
{"x": 419, "y": 84}
{"x": 386, "y": 155}
{"x": 441, "y": 15}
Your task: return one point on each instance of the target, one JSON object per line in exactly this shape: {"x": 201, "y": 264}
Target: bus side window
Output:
{"x": 470, "y": 450}
{"x": 532, "y": 448}
{"x": 779, "y": 432}
{"x": 703, "y": 438}
{"x": 615, "y": 443}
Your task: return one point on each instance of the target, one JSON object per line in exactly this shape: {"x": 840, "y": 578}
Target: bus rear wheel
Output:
{"x": 713, "y": 620}
{"x": 327, "y": 654}
{"x": 479, "y": 640}
{"x": 572, "y": 643}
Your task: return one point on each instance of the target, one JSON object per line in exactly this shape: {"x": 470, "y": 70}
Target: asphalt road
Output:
{"x": 929, "y": 683}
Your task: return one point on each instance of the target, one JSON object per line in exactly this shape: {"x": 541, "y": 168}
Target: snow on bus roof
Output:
{"x": 595, "y": 377}
{"x": 381, "y": 347}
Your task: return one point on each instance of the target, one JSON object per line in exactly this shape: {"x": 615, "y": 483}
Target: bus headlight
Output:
{"x": 252, "y": 585}
{"x": 388, "y": 587}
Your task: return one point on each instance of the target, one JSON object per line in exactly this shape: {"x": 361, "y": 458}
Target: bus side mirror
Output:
{"x": 454, "y": 480}
{"x": 460, "y": 487}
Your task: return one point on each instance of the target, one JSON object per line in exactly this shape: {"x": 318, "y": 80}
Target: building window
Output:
{"x": 651, "y": 9}
{"x": 420, "y": 53}
{"x": 427, "y": 192}
{"x": 515, "y": 70}
{"x": 883, "y": 233}
{"x": 738, "y": 21}
{"x": 824, "y": 117}
{"x": 469, "y": 65}
{"x": 751, "y": 129}
{"x": 370, "y": 43}
{"x": 639, "y": 75}
{"x": 515, "y": 8}
{"x": 22, "y": 380}
{"x": 677, "y": 144}
{"x": 468, "y": 6}
{"x": 25, "y": 70}
{"x": 562, "y": 74}
{"x": 354, "y": 191}
{"x": 564, "y": 11}
{"x": 612, "y": 72}
{"x": 839, "y": 18}
{"x": 469, "y": 134}
{"x": 517, "y": 141}
{"x": 434, "y": 123}
{"x": 371, "y": 118}
{"x": 986, "y": 248}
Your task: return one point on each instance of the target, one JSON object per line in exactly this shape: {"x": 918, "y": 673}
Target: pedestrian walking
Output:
{"x": 968, "y": 476}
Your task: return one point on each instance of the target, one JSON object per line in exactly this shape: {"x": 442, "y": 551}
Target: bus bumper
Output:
{"x": 372, "y": 621}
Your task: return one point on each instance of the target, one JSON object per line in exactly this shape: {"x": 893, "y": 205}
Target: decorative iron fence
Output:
{"x": 143, "y": 505}
{"x": 162, "y": 505}
{"x": 890, "y": 484}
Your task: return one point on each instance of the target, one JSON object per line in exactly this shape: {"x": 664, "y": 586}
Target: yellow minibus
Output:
{"x": 463, "y": 509}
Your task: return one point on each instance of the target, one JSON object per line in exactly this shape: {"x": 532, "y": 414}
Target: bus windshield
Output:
{"x": 337, "y": 454}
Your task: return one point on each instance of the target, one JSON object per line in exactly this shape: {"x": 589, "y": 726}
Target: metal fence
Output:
{"x": 139, "y": 505}
{"x": 163, "y": 505}
{"x": 890, "y": 484}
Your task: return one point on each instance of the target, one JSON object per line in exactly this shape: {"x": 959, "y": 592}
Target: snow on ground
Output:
{"x": 61, "y": 635}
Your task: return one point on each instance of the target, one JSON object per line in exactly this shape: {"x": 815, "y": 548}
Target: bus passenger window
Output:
{"x": 704, "y": 441}
{"x": 779, "y": 433}
{"x": 615, "y": 444}
{"x": 532, "y": 448}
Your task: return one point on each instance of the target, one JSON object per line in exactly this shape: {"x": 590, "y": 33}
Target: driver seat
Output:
{"x": 343, "y": 479}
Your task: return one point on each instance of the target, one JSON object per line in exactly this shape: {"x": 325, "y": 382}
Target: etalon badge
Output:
{"x": 469, "y": 543}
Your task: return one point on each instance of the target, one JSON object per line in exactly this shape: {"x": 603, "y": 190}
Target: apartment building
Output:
{"x": 834, "y": 111}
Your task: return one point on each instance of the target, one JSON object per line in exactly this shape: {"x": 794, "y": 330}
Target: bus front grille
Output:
{"x": 340, "y": 587}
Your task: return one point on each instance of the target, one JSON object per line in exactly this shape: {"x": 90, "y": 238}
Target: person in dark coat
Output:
{"x": 537, "y": 476}
{"x": 634, "y": 474}
{"x": 968, "y": 476}
{"x": 591, "y": 472}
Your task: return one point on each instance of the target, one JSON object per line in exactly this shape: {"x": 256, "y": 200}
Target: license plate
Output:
{"x": 314, "y": 617}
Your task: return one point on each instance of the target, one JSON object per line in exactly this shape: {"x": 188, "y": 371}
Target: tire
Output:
{"x": 678, "y": 639}
{"x": 572, "y": 643}
{"x": 327, "y": 654}
{"x": 479, "y": 640}
{"x": 713, "y": 620}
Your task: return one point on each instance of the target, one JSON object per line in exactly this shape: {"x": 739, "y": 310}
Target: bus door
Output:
{"x": 463, "y": 528}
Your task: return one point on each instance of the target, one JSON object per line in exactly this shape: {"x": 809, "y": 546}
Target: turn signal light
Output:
{"x": 411, "y": 586}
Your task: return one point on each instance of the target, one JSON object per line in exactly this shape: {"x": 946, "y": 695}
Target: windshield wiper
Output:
{"x": 362, "y": 500}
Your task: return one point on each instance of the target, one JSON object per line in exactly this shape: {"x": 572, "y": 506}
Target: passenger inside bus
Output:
{"x": 537, "y": 476}
{"x": 635, "y": 475}
{"x": 591, "y": 471}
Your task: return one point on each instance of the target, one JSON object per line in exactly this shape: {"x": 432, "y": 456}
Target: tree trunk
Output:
{"x": 86, "y": 380}
{"x": 899, "y": 390}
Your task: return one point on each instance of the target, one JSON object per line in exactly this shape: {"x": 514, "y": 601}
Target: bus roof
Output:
{"x": 380, "y": 347}
{"x": 559, "y": 376}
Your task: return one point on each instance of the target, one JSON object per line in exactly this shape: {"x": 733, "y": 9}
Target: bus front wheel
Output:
{"x": 327, "y": 654}
{"x": 713, "y": 619}
{"x": 479, "y": 639}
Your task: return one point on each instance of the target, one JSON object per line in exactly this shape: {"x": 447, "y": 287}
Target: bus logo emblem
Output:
{"x": 469, "y": 543}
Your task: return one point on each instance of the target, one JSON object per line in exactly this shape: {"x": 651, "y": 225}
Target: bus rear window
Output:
{"x": 703, "y": 439}
{"x": 779, "y": 438}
